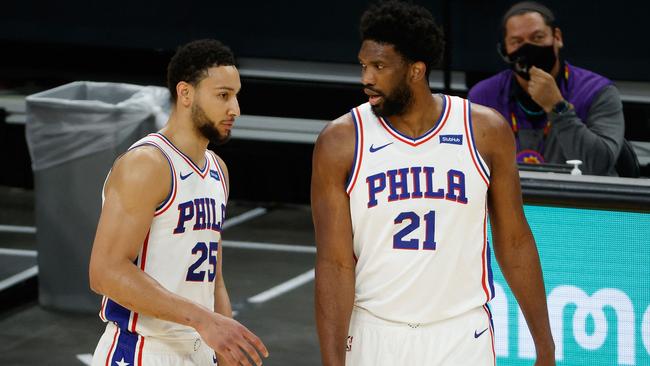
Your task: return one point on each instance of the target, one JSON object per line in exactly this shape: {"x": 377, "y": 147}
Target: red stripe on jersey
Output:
{"x": 484, "y": 259}
{"x": 494, "y": 354}
{"x": 110, "y": 350}
{"x": 180, "y": 153}
{"x": 469, "y": 143}
{"x": 431, "y": 134}
{"x": 139, "y": 360}
{"x": 143, "y": 261}
{"x": 174, "y": 190}
{"x": 102, "y": 310}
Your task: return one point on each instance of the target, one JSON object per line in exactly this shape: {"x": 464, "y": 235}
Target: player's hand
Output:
{"x": 232, "y": 342}
{"x": 543, "y": 89}
{"x": 222, "y": 362}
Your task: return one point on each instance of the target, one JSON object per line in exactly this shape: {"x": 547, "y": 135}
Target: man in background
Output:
{"x": 557, "y": 111}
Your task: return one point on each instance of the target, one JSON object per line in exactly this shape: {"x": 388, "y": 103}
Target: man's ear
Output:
{"x": 185, "y": 93}
{"x": 557, "y": 34}
{"x": 418, "y": 71}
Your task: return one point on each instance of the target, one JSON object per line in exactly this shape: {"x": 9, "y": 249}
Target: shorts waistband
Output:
{"x": 363, "y": 315}
{"x": 164, "y": 345}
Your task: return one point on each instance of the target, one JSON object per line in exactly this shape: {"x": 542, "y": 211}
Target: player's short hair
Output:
{"x": 410, "y": 28}
{"x": 524, "y": 7}
{"x": 192, "y": 61}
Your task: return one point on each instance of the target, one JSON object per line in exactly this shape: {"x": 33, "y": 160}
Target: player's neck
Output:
{"x": 420, "y": 116}
{"x": 186, "y": 138}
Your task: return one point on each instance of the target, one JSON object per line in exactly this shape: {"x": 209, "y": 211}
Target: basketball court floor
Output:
{"x": 268, "y": 257}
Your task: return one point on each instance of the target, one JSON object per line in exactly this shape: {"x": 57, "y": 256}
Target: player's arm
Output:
{"x": 138, "y": 183}
{"x": 222, "y": 303}
{"x": 514, "y": 245}
{"x": 331, "y": 164}
{"x": 221, "y": 299}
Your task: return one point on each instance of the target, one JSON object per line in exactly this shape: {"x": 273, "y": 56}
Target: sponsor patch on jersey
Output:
{"x": 214, "y": 174}
{"x": 451, "y": 139}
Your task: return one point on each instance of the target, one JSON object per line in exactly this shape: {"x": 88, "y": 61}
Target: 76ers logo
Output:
{"x": 348, "y": 344}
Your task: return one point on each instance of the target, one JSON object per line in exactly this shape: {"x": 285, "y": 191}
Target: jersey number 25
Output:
{"x": 193, "y": 274}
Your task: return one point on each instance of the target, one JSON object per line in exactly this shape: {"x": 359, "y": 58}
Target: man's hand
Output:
{"x": 232, "y": 342}
{"x": 543, "y": 89}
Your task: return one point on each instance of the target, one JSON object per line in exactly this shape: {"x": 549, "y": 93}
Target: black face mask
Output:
{"x": 528, "y": 55}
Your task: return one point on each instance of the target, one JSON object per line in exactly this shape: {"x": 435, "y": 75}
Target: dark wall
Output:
{"x": 606, "y": 36}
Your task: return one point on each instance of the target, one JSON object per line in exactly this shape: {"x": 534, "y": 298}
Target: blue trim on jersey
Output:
{"x": 414, "y": 139}
{"x": 125, "y": 348}
{"x": 182, "y": 153}
{"x": 487, "y": 307}
{"x": 489, "y": 269}
{"x": 117, "y": 314}
{"x": 222, "y": 174}
{"x": 356, "y": 149}
{"x": 171, "y": 172}
{"x": 471, "y": 136}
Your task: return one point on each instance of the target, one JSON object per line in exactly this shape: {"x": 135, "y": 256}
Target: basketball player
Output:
{"x": 157, "y": 253}
{"x": 401, "y": 188}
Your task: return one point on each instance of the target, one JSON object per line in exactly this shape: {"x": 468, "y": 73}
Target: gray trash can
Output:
{"x": 74, "y": 133}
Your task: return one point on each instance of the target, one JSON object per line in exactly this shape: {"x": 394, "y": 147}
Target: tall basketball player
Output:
{"x": 157, "y": 252}
{"x": 401, "y": 189}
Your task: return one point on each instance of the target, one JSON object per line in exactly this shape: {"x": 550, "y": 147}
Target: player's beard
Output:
{"x": 206, "y": 127}
{"x": 395, "y": 103}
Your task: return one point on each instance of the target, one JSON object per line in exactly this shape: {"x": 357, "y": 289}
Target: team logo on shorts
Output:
{"x": 348, "y": 344}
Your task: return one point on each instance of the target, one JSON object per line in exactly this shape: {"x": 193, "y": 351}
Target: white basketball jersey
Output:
{"x": 419, "y": 218}
{"x": 180, "y": 250}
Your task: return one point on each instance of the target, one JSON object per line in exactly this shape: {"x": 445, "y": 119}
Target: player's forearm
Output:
{"x": 222, "y": 300}
{"x": 130, "y": 287}
{"x": 521, "y": 268}
{"x": 334, "y": 301}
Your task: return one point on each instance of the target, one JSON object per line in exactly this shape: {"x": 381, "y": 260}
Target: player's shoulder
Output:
{"x": 336, "y": 143}
{"x": 141, "y": 164}
{"x": 338, "y": 132}
{"x": 492, "y": 134}
{"x": 487, "y": 122}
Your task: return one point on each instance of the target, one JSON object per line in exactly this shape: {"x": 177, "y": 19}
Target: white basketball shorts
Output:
{"x": 118, "y": 348}
{"x": 466, "y": 339}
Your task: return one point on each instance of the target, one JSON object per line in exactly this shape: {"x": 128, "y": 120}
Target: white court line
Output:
{"x": 283, "y": 287}
{"x": 268, "y": 246}
{"x": 85, "y": 358}
{"x": 18, "y": 229}
{"x": 18, "y": 252}
{"x": 17, "y": 278}
{"x": 248, "y": 215}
